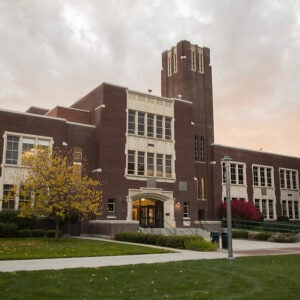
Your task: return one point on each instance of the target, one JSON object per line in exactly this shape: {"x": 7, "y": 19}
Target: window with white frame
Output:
{"x": 111, "y": 208}
{"x": 237, "y": 173}
{"x": 17, "y": 146}
{"x": 186, "y": 210}
{"x": 266, "y": 207}
{"x": 150, "y": 164}
{"x": 169, "y": 63}
{"x": 175, "y": 60}
{"x": 263, "y": 176}
{"x": 288, "y": 179}
{"x": 8, "y": 201}
{"x": 200, "y": 60}
{"x": 149, "y": 124}
{"x": 290, "y": 209}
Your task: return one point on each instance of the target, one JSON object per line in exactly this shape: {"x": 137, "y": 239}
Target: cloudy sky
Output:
{"x": 53, "y": 52}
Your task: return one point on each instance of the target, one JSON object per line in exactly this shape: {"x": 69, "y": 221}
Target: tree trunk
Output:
{"x": 56, "y": 230}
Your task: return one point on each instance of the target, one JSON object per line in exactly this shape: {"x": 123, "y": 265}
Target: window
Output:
{"x": 159, "y": 165}
{"x": 169, "y": 63}
{"x": 111, "y": 208}
{"x": 43, "y": 144}
{"x": 262, "y": 176}
{"x": 224, "y": 172}
{"x": 150, "y": 125}
{"x": 150, "y": 164}
{"x": 202, "y": 148}
{"x": 290, "y": 209}
{"x": 141, "y": 123}
{"x": 27, "y": 147}
{"x": 283, "y": 208}
{"x": 141, "y": 163}
{"x": 255, "y": 176}
{"x": 241, "y": 174}
{"x": 131, "y": 162}
{"x": 193, "y": 60}
{"x": 186, "y": 212}
{"x": 175, "y": 61}
{"x": 271, "y": 209}
{"x": 12, "y": 150}
{"x": 24, "y": 196}
{"x": 168, "y": 164}
{"x": 77, "y": 159}
{"x": 201, "y": 62}
{"x": 288, "y": 179}
{"x": 269, "y": 177}
{"x": 282, "y": 181}
{"x": 202, "y": 188}
{"x": 196, "y": 147}
{"x": 159, "y": 127}
{"x": 168, "y": 133}
{"x": 294, "y": 180}
{"x": 8, "y": 197}
{"x": 131, "y": 121}
{"x": 233, "y": 173}
{"x": 266, "y": 207}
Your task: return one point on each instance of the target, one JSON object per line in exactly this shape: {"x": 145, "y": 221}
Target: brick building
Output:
{"x": 155, "y": 155}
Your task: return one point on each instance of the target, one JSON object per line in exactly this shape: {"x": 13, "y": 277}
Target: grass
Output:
{"x": 267, "y": 277}
{"x": 34, "y": 248}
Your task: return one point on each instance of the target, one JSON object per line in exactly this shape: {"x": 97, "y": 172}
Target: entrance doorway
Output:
{"x": 148, "y": 212}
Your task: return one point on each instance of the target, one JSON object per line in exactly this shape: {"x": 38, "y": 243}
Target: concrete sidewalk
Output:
{"x": 240, "y": 248}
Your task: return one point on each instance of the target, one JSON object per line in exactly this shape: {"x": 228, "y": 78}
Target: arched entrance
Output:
{"x": 149, "y": 212}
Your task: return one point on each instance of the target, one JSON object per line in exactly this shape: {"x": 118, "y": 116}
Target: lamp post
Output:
{"x": 227, "y": 160}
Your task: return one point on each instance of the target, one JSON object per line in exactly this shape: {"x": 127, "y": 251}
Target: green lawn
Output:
{"x": 33, "y": 248}
{"x": 269, "y": 277}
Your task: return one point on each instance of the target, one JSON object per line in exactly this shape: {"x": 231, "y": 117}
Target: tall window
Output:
{"x": 202, "y": 188}
{"x": 141, "y": 123}
{"x": 131, "y": 162}
{"x": 201, "y": 62}
{"x": 175, "y": 60}
{"x": 159, "y": 165}
{"x": 150, "y": 125}
{"x": 202, "y": 148}
{"x": 77, "y": 159}
{"x": 169, "y": 63}
{"x": 168, "y": 133}
{"x": 196, "y": 147}
{"x": 193, "y": 60}
{"x": 186, "y": 210}
{"x": 168, "y": 164}
{"x": 111, "y": 207}
{"x": 8, "y": 197}
{"x": 159, "y": 127}
{"x": 150, "y": 164}
{"x": 131, "y": 121}
{"x": 241, "y": 174}
{"x": 266, "y": 207}
{"x": 233, "y": 173}
{"x": 12, "y": 150}
{"x": 141, "y": 163}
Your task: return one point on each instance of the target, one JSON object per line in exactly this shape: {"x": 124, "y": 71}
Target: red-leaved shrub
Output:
{"x": 240, "y": 209}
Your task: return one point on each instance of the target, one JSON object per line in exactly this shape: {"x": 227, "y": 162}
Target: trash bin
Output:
{"x": 224, "y": 240}
{"x": 214, "y": 237}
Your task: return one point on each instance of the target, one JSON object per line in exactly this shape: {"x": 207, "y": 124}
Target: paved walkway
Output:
{"x": 240, "y": 248}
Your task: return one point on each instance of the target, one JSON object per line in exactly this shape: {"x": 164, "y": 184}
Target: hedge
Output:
{"x": 8, "y": 229}
{"x": 189, "y": 242}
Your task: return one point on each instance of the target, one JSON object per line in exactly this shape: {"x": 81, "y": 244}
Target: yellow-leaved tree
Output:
{"x": 57, "y": 188}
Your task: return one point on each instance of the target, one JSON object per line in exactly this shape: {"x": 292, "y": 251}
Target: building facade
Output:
{"x": 155, "y": 155}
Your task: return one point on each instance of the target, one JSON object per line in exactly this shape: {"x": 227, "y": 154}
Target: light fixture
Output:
{"x": 99, "y": 170}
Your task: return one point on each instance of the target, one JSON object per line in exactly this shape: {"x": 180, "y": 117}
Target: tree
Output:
{"x": 57, "y": 188}
{"x": 240, "y": 209}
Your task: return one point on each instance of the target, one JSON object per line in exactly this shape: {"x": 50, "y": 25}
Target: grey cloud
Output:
{"x": 53, "y": 52}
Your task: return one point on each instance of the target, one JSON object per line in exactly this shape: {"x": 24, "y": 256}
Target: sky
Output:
{"x": 54, "y": 52}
